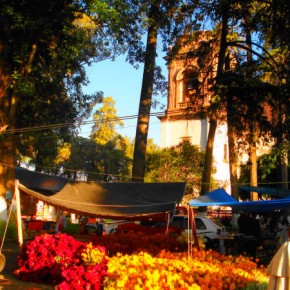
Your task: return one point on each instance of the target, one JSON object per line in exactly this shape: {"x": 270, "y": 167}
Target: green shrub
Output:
{"x": 11, "y": 232}
{"x": 72, "y": 229}
{"x": 262, "y": 286}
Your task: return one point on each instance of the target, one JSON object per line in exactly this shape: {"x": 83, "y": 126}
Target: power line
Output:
{"x": 77, "y": 124}
{"x": 122, "y": 128}
{"x": 128, "y": 176}
{"x": 16, "y": 139}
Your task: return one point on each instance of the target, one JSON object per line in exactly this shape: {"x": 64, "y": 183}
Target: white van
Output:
{"x": 211, "y": 229}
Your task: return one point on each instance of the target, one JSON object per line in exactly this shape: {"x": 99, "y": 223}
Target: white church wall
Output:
{"x": 221, "y": 157}
{"x": 174, "y": 132}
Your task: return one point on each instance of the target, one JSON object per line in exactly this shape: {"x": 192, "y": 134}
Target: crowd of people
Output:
{"x": 255, "y": 229}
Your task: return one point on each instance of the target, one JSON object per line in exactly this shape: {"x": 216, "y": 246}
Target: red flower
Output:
{"x": 56, "y": 259}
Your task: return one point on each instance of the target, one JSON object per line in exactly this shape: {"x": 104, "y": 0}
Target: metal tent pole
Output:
{"x": 18, "y": 213}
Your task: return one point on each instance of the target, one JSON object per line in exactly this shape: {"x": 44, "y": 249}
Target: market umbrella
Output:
{"x": 279, "y": 269}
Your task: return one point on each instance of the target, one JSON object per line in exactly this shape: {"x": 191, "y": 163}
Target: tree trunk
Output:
{"x": 233, "y": 159}
{"x": 233, "y": 152}
{"x": 205, "y": 186}
{"x": 7, "y": 115}
{"x": 138, "y": 170}
{"x": 7, "y": 146}
{"x": 284, "y": 169}
{"x": 7, "y": 167}
{"x": 8, "y": 103}
{"x": 206, "y": 174}
{"x": 253, "y": 170}
{"x": 252, "y": 143}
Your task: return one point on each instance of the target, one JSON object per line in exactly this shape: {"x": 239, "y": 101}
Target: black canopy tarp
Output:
{"x": 110, "y": 199}
{"x": 40, "y": 182}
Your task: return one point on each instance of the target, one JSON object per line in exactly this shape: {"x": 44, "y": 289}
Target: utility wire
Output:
{"x": 128, "y": 177}
{"x": 123, "y": 128}
{"x": 16, "y": 139}
{"x": 60, "y": 125}
{"x": 77, "y": 124}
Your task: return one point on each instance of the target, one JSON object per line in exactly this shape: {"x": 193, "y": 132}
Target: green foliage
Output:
{"x": 268, "y": 170}
{"x": 45, "y": 50}
{"x": 48, "y": 68}
{"x": 47, "y": 72}
{"x": 72, "y": 229}
{"x": 89, "y": 160}
{"x": 81, "y": 160}
{"x": 246, "y": 99}
{"x": 106, "y": 156}
{"x": 113, "y": 163}
{"x": 106, "y": 120}
{"x": 260, "y": 286}
{"x": 11, "y": 232}
{"x": 267, "y": 167}
{"x": 182, "y": 163}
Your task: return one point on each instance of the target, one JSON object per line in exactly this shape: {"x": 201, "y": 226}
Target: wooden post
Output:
{"x": 189, "y": 235}
{"x": 193, "y": 227}
{"x": 167, "y": 222}
{"x": 18, "y": 213}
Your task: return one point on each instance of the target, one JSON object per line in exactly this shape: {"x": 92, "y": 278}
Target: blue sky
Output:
{"x": 119, "y": 80}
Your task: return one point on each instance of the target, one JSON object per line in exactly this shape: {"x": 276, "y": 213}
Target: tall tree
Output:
{"x": 213, "y": 116}
{"x": 252, "y": 93}
{"x": 36, "y": 65}
{"x": 161, "y": 18}
{"x": 113, "y": 164}
{"x": 176, "y": 164}
{"x": 138, "y": 170}
{"x": 43, "y": 52}
{"x": 260, "y": 100}
{"x": 106, "y": 120}
{"x": 77, "y": 160}
{"x": 84, "y": 159}
{"x": 274, "y": 26}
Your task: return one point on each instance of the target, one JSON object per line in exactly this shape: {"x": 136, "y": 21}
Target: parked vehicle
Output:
{"x": 211, "y": 229}
{"x": 207, "y": 227}
{"x": 109, "y": 226}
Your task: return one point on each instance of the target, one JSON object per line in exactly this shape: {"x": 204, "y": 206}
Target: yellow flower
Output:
{"x": 92, "y": 255}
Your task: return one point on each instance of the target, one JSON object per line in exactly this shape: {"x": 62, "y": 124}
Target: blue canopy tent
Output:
{"x": 263, "y": 205}
{"x": 220, "y": 197}
{"x": 277, "y": 192}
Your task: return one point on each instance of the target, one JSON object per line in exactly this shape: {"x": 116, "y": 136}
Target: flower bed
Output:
{"x": 135, "y": 242}
{"x": 205, "y": 270}
{"x": 61, "y": 260}
{"x": 134, "y": 261}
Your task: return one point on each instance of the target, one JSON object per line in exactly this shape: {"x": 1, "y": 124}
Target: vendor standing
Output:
{"x": 60, "y": 221}
{"x": 250, "y": 227}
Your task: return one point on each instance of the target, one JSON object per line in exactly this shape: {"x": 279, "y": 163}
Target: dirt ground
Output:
{"x": 7, "y": 279}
